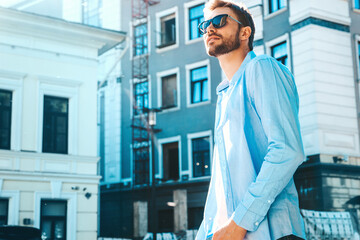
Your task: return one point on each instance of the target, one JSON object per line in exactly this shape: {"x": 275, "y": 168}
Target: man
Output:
{"x": 258, "y": 144}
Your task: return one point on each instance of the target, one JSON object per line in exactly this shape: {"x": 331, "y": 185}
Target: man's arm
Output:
{"x": 273, "y": 95}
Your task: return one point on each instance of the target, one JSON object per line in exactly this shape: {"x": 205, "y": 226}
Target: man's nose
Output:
{"x": 210, "y": 28}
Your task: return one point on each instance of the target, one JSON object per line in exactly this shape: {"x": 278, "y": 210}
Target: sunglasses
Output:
{"x": 217, "y": 21}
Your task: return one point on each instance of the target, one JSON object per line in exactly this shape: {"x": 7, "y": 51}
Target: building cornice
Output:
{"x": 38, "y": 26}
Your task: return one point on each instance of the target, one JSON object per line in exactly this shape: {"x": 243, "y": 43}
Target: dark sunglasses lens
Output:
{"x": 219, "y": 21}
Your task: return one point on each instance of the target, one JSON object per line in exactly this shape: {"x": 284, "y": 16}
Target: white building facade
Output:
{"x": 48, "y": 154}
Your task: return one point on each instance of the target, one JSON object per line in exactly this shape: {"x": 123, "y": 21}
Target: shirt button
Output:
{"x": 257, "y": 224}
{"x": 210, "y": 218}
{"x": 269, "y": 201}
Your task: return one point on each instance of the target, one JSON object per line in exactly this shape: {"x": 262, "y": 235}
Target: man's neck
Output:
{"x": 231, "y": 62}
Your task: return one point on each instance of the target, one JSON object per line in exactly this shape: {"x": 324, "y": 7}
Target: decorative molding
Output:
{"x": 320, "y": 22}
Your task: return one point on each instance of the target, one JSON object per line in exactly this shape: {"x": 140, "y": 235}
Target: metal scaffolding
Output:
{"x": 140, "y": 76}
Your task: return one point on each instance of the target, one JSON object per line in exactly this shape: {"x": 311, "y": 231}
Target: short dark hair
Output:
{"x": 241, "y": 11}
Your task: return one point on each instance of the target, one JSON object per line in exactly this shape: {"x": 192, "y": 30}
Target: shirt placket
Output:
{"x": 223, "y": 161}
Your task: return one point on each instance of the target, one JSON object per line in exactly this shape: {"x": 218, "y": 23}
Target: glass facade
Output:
{"x": 201, "y": 156}
{"x": 55, "y": 125}
{"x": 279, "y": 52}
{"x": 5, "y": 119}
{"x": 141, "y": 40}
{"x": 275, "y": 5}
{"x": 196, "y": 16}
{"x": 92, "y": 12}
{"x": 199, "y": 85}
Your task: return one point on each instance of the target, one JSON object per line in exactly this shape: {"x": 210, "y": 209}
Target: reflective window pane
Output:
{"x": 201, "y": 156}
{"x": 196, "y": 16}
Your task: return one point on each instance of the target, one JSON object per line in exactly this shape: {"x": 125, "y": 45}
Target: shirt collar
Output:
{"x": 226, "y": 83}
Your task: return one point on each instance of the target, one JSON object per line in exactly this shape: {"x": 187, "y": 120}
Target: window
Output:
{"x": 275, "y": 5}
{"x": 141, "y": 40}
{"x": 167, "y": 30}
{"x": 195, "y": 217}
{"x": 279, "y": 52}
{"x": 170, "y": 155}
{"x": 166, "y": 220}
{"x": 92, "y": 10}
{"x": 53, "y": 219}
{"x": 4, "y": 209}
{"x": 201, "y": 156}
{"x": 141, "y": 92}
{"x": 5, "y": 119}
{"x": 55, "y": 129}
{"x": 199, "y": 85}
{"x": 358, "y": 58}
{"x": 169, "y": 91}
{"x": 357, "y": 4}
{"x": 196, "y": 16}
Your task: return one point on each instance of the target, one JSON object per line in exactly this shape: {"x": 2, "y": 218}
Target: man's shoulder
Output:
{"x": 263, "y": 63}
{"x": 260, "y": 59}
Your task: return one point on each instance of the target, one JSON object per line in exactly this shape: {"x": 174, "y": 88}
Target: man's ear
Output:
{"x": 245, "y": 33}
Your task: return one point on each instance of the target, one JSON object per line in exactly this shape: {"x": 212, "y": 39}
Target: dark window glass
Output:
{"x": 4, "y": 210}
{"x": 166, "y": 220}
{"x": 53, "y": 219}
{"x": 141, "y": 92}
{"x": 201, "y": 156}
{"x": 359, "y": 57}
{"x": 357, "y": 4}
{"x": 276, "y": 5}
{"x": 168, "y": 30}
{"x": 279, "y": 52}
{"x": 92, "y": 10}
{"x": 55, "y": 130}
{"x": 170, "y": 161}
{"x": 199, "y": 85}
{"x": 195, "y": 216}
{"x": 5, "y": 119}
{"x": 141, "y": 40}
{"x": 169, "y": 91}
{"x": 196, "y": 16}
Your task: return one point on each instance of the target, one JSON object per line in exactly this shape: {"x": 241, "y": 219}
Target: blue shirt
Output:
{"x": 258, "y": 148}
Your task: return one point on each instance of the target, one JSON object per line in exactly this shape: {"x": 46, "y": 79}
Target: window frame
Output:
{"x": 283, "y": 38}
{"x": 132, "y": 34}
{"x": 159, "y": 76}
{"x": 71, "y": 93}
{"x": 14, "y": 204}
{"x": 134, "y": 81}
{"x": 52, "y": 218}
{"x": 268, "y": 14}
{"x": 190, "y": 137}
{"x": 14, "y": 82}
{"x": 72, "y": 208}
{"x": 190, "y": 67}
{"x": 6, "y": 200}
{"x": 187, "y": 7}
{"x": 160, "y": 173}
{"x": 10, "y": 113}
{"x": 158, "y": 16}
{"x": 67, "y": 126}
{"x": 357, "y": 51}
{"x": 354, "y": 8}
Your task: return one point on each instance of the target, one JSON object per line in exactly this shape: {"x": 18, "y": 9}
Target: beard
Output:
{"x": 227, "y": 45}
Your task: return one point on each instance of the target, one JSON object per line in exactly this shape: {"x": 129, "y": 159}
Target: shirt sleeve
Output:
{"x": 273, "y": 95}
